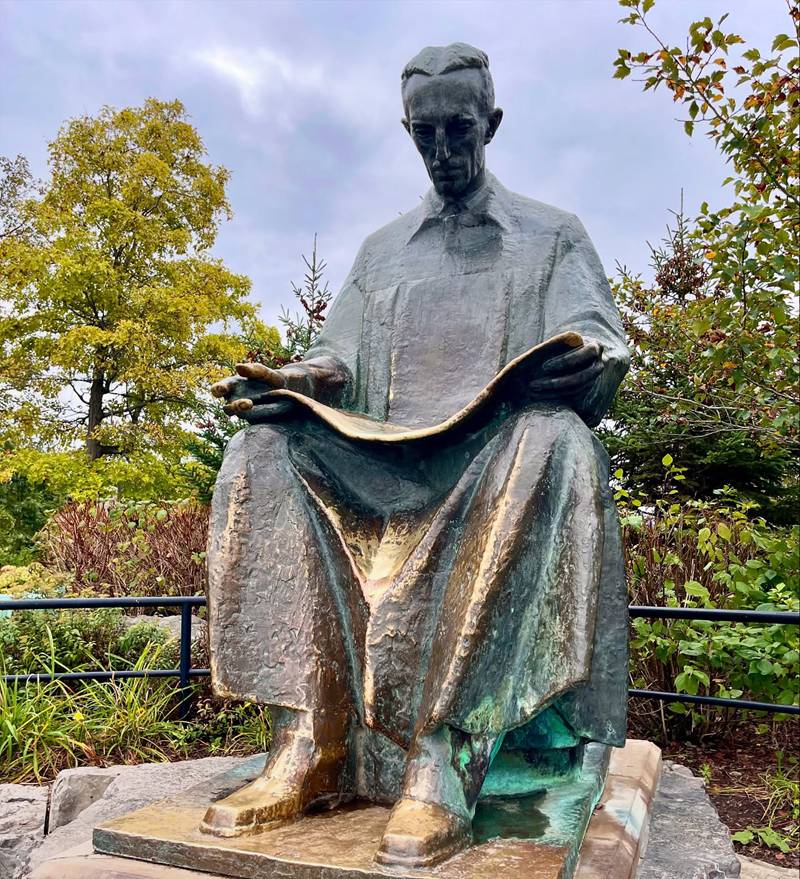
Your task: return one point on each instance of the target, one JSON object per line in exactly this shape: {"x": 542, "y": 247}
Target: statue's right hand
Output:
{"x": 242, "y": 393}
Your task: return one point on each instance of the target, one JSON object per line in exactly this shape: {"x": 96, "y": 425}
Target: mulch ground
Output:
{"x": 736, "y": 778}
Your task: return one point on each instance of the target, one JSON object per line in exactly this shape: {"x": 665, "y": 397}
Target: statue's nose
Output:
{"x": 442, "y": 147}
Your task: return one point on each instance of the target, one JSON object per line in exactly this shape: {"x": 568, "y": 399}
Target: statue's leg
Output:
{"x": 518, "y": 612}
{"x": 277, "y": 633}
{"x": 515, "y": 627}
{"x": 433, "y": 818}
{"x": 305, "y": 766}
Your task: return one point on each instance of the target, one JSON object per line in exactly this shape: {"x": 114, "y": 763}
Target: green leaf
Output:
{"x": 781, "y": 42}
{"x": 688, "y": 127}
{"x": 667, "y": 460}
{"x": 743, "y": 837}
{"x": 696, "y": 589}
{"x": 723, "y": 531}
{"x": 686, "y": 682}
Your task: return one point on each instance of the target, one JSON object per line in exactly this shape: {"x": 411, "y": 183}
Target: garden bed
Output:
{"x": 752, "y": 779}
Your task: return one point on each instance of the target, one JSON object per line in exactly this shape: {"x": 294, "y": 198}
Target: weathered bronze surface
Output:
{"x": 414, "y": 559}
{"x": 535, "y": 836}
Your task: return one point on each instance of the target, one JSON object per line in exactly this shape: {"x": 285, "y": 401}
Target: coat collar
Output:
{"x": 490, "y": 203}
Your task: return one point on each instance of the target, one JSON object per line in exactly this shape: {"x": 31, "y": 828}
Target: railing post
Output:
{"x": 185, "y": 660}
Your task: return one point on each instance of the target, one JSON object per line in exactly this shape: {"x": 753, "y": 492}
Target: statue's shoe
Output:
{"x": 299, "y": 774}
{"x": 261, "y": 803}
{"x": 422, "y": 834}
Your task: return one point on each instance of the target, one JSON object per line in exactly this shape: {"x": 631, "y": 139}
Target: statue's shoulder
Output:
{"x": 534, "y": 217}
{"x": 395, "y": 233}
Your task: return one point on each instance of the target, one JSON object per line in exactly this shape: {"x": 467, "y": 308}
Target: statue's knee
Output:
{"x": 262, "y": 440}
{"x": 252, "y": 451}
{"x": 547, "y": 424}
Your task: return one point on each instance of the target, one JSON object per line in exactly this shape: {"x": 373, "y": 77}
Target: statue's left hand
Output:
{"x": 570, "y": 376}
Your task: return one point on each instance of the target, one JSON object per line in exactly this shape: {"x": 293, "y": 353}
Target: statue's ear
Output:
{"x": 495, "y": 118}
{"x": 406, "y": 124}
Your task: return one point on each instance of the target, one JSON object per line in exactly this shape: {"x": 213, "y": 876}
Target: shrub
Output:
{"x": 231, "y": 727}
{"x": 35, "y": 742}
{"x": 129, "y": 549}
{"x": 708, "y": 554}
{"x": 24, "y": 507}
{"x": 36, "y": 641}
{"x": 46, "y": 727}
{"x": 33, "y": 581}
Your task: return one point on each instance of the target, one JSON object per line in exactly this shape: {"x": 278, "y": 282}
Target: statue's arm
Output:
{"x": 579, "y": 298}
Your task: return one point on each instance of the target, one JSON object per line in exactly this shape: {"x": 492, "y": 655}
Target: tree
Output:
{"x": 314, "y": 296}
{"x": 715, "y": 376}
{"x": 115, "y": 316}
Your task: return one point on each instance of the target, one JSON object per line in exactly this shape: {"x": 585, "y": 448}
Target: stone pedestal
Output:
{"x": 538, "y": 836}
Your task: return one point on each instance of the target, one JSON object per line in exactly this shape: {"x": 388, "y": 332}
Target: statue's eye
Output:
{"x": 462, "y": 126}
{"x": 423, "y": 132}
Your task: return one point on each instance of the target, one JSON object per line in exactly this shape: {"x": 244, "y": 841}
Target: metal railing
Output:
{"x": 185, "y": 672}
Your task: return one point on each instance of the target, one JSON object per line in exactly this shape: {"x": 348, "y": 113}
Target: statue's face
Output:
{"x": 448, "y": 118}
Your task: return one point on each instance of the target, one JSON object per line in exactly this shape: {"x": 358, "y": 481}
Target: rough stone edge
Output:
{"x": 688, "y": 839}
{"x": 753, "y": 869}
{"x": 133, "y": 787}
{"x": 618, "y": 831}
{"x": 23, "y": 824}
{"x": 74, "y": 790}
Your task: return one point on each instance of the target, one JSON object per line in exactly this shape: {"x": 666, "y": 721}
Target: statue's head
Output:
{"x": 448, "y": 98}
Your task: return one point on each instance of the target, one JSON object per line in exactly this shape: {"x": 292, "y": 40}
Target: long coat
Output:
{"x": 477, "y": 581}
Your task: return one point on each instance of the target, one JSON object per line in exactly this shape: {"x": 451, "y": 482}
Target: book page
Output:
{"x": 357, "y": 426}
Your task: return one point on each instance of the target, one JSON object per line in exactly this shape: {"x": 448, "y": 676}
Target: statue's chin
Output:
{"x": 454, "y": 188}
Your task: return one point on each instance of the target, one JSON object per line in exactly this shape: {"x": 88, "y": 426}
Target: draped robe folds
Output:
{"x": 476, "y": 580}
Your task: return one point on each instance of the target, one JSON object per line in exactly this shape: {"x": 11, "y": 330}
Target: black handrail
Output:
{"x": 80, "y": 603}
{"x": 185, "y": 672}
{"x": 714, "y": 615}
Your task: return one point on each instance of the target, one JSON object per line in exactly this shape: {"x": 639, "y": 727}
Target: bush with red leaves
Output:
{"x": 129, "y": 549}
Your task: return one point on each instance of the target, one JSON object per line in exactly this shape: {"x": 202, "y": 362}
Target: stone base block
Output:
{"x": 537, "y": 836}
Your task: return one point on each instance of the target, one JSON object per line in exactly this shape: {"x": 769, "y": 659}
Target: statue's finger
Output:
{"x": 238, "y": 407}
{"x": 224, "y": 387}
{"x": 267, "y": 411}
{"x": 259, "y": 372}
{"x": 567, "y": 383}
{"x": 574, "y": 360}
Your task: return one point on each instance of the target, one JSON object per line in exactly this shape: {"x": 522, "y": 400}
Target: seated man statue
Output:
{"x": 415, "y": 612}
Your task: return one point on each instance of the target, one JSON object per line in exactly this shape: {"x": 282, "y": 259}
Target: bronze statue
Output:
{"x": 418, "y": 593}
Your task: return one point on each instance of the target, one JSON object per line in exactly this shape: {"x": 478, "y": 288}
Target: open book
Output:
{"x": 356, "y": 426}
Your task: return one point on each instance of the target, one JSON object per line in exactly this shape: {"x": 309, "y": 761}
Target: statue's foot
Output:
{"x": 422, "y": 834}
{"x": 261, "y": 803}
{"x": 301, "y": 771}
{"x": 433, "y": 818}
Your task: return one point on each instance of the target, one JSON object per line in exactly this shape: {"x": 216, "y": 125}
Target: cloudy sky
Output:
{"x": 300, "y": 100}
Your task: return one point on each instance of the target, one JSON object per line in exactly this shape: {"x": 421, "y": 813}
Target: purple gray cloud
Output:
{"x": 300, "y": 100}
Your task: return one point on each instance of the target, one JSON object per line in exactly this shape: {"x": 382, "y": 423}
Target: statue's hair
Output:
{"x": 435, "y": 60}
